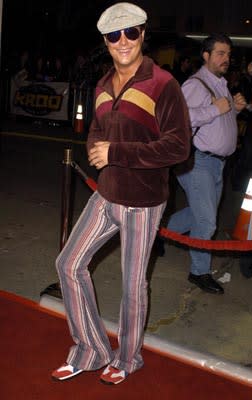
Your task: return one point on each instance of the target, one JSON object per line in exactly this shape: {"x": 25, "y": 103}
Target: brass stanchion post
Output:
{"x": 65, "y": 197}
{"x": 54, "y": 289}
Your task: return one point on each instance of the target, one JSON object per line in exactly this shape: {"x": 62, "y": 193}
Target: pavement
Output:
{"x": 31, "y": 171}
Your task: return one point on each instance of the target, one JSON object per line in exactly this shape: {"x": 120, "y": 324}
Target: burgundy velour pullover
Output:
{"x": 149, "y": 130}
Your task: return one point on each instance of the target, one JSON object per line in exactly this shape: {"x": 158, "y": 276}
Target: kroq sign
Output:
{"x": 38, "y": 99}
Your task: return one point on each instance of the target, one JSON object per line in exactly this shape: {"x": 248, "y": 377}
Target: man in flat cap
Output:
{"x": 140, "y": 128}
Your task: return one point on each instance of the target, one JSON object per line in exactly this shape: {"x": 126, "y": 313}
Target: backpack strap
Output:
{"x": 211, "y": 92}
{"x": 206, "y": 86}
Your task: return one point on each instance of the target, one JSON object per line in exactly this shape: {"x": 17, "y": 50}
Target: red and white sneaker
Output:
{"x": 113, "y": 376}
{"x": 66, "y": 371}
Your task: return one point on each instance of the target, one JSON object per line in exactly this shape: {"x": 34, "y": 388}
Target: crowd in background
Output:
{"x": 83, "y": 71}
{"x": 80, "y": 69}
{"x": 86, "y": 69}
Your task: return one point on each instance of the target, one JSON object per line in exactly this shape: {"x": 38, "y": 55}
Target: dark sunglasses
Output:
{"x": 132, "y": 33}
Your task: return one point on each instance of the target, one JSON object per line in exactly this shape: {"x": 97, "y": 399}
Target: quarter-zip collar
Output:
{"x": 143, "y": 72}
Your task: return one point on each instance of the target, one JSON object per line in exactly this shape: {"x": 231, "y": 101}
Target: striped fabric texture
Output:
{"x": 100, "y": 221}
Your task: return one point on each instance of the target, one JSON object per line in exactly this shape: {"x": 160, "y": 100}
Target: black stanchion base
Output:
{"x": 246, "y": 265}
{"x": 52, "y": 290}
{"x": 159, "y": 246}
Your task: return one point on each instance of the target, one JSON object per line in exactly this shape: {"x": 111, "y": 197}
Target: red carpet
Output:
{"x": 35, "y": 341}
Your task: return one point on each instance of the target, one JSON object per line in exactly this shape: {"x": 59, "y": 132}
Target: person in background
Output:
{"x": 233, "y": 80}
{"x": 140, "y": 128}
{"x": 82, "y": 83}
{"x": 38, "y": 73}
{"x": 167, "y": 67}
{"x": 182, "y": 71}
{"x": 245, "y": 84}
{"x": 22, "y": 70}
{"x": 213, "y": 113}
{"x": 242, "y": 162}
{"x": 105, "y": 63}
{"x": 82, "y": 71}
{"x": 59, "y": 70}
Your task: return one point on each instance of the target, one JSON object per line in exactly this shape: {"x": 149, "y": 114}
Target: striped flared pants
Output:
{"x": 99, "y": 221}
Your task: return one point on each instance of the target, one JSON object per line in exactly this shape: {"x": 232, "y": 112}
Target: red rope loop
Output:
{"x": 231, "y": 245}
{"x": 221, "y": 245}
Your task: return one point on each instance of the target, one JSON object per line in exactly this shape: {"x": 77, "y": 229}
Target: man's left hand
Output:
{"x": 239, "y": 102}
{"x": 98, "y": 155}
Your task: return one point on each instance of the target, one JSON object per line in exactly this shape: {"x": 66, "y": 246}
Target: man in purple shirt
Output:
{"x": 213, "y": 119}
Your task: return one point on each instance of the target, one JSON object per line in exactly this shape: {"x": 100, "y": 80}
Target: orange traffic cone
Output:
{"x": 243, "y": 227}
{"x": 79, "y": 122}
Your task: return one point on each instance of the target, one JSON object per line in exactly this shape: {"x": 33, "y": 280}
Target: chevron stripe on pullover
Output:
{"x": 149, "y": 131}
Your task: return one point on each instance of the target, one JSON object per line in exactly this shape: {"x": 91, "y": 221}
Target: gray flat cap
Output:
{"x": 121, "y": 16}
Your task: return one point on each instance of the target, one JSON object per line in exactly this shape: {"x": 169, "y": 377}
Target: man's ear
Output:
{"x": 205, "y": 56}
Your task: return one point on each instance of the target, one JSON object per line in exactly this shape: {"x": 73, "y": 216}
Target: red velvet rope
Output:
{"x": 222, "y": 245}
{"x": 231, "y": 245}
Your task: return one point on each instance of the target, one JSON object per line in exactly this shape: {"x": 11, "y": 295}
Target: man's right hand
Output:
{"x": 223, "y": 104}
